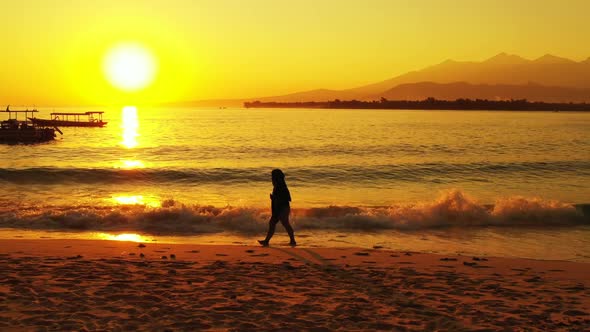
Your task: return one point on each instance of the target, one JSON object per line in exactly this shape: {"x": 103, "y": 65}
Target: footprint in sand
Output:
{"x": 574, "y": 312}
{"x": 288, "y": 266}
{"x": 534, "y": 279}
{"x": 479, "y": 259}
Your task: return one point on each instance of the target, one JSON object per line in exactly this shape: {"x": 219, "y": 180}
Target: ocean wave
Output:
{"x": 46, "y": 175}
{"x": 444, "y": 172}
{"x": 453, "y": 209}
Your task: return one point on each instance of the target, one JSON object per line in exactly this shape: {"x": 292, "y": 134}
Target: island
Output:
{"x": 429, "y": 104}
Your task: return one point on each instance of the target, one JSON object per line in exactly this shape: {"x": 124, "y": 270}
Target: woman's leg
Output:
{"x": 272, "y": 223}
{"x": 287, "y": 225}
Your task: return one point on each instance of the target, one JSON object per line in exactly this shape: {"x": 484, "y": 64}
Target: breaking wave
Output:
{"x": 453, "y": 209}
{"x": 479, "y": 171}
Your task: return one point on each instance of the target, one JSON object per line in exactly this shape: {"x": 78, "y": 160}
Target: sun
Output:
{"x": 129, "y": 66}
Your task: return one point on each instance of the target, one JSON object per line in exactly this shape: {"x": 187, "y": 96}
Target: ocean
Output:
{"x": 468, "y": 182}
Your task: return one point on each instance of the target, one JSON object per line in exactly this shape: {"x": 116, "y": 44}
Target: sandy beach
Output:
{"x": 49, "y": 285}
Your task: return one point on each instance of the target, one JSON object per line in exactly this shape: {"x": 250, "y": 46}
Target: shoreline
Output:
{"x": 482, "y": 242}
{"x": 101, "y": 248}
{"x": 94, "y": 285}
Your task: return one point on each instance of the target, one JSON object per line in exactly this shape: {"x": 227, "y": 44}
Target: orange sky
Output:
{"x": 53, "y": 50}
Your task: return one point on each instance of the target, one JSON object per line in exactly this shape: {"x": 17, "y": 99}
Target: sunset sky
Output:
{"x": 54, "y": 51}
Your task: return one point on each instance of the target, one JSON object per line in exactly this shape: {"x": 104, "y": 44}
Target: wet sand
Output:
{"x": 108, "y": 285}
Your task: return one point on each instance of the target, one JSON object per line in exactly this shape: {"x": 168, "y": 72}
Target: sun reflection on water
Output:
{"x": 130, "y": 126}
{"x": 131, "y": 164}
{"x": 136, "y": 200}
{"x": 131, "y": 237}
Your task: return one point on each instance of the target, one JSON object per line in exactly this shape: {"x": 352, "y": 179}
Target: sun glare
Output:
{"x": 136, "y": 200}
{"x": 128, "y": 237}
{"x": 130, "y": 126}
{"x": 130, "y": 66}
{"x": 131, "y": 164}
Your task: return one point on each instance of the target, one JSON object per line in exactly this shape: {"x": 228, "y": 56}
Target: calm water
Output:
{"x": 358, "y": 177}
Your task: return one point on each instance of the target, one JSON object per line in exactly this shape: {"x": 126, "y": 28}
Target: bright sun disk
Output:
{"x": 129, "y": 66}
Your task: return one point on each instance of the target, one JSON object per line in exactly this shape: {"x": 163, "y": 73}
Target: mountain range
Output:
{"x": 503, "y": 76}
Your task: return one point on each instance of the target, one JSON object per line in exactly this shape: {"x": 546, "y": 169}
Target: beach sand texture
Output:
{"x": 49, "y": 285}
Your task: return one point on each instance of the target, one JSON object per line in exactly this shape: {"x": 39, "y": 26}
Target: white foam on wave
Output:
{"x": 452, "y": 209}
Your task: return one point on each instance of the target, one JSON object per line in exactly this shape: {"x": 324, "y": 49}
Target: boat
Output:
{"x": 14, "y": 131}
{"x": 86, "y": 119}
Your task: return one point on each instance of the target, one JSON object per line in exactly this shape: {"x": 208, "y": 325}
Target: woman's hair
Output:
{"x": 278, "y": 177}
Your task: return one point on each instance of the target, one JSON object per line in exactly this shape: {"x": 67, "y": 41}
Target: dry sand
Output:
{"x": 71, "y": 285}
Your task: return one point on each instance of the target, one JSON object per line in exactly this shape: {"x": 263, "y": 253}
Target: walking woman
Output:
{"x": 280, "y": 207}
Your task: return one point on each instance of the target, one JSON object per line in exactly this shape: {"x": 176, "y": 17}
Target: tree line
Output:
{"x": 428, "y": 104}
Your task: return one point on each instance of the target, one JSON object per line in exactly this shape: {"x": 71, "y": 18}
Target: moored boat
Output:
{"x": 86, "y": 119}
{"x": 14, "y": 131}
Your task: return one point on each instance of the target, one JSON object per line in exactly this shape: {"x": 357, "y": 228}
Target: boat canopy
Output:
{"x": 69, "y": 113}
{"x": 93, "y": 116}
{"x": 17, "y": 112}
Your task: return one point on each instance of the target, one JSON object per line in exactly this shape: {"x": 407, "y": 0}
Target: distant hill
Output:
{"x": 548, "y": 78}
{"x": 503, "y": 68}
{"x": 453, "y": 91}
{"x": 319, "y": 94}
{"x": 208, "y": 103}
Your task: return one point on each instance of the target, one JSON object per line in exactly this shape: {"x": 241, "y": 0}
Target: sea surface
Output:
{"x": 470, "y": 182}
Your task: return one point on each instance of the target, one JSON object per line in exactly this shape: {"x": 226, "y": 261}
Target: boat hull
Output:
{"x": 61, "y": 123}
{"x": 27, "y": 136}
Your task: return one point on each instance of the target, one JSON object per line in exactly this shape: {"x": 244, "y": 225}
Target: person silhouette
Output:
{"x": 280, "y": 207}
